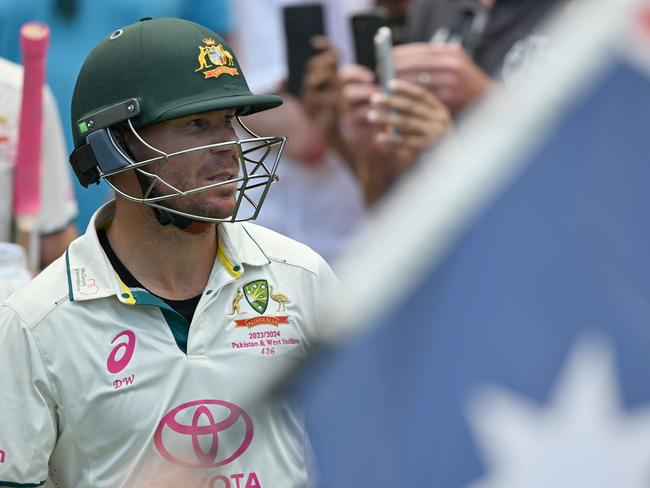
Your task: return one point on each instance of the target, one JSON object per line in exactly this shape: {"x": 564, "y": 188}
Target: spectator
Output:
{"x": 458, "y": 77}
{"x": 377, "y": 144}
{"x": 501, "y": 47}
{"x": 58, "y": 207}
{"x": 317, "y": 199}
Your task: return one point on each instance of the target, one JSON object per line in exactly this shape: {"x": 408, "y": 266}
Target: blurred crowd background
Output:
{"x": 350, "y": 139}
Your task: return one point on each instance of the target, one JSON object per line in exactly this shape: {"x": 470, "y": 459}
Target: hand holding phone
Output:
{"x": 301, "y": 24}
{"x": 364, "y": 27}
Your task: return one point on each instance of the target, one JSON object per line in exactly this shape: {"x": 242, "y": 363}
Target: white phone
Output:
{"x": 385, "y": 67}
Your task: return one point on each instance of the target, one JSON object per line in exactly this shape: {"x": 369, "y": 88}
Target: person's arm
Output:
{"x": 58, "y": 205}
{"x": 371, "y": 163}
{"x": 27, "y": 412}
{"x": 321, "y": 93}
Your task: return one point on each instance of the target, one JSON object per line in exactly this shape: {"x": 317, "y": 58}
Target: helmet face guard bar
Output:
{"x": 103, "y": 157}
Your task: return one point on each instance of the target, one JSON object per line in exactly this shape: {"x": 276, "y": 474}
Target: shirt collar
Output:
{"x": 90, "y": 274}
{"x": 238, "y": 247}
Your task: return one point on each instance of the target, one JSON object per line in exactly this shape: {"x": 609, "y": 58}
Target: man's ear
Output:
{"x": 122, "y": 136}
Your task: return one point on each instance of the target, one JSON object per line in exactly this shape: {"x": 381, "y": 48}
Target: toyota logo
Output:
{"x": 204, "y": 434}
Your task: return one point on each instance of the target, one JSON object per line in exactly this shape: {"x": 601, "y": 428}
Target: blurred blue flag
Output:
{"x": 521, "y": 357}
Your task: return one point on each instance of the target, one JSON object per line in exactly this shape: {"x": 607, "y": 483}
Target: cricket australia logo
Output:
{"x": 214, "y": 55}
{"x": 257, "y": 294}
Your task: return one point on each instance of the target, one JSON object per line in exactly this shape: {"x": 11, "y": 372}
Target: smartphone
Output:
{"x": 301, "y": 23}
{"x": 364, "y": 27}
{"x": 465, "y": 25}
{"x": 383, "y": 45}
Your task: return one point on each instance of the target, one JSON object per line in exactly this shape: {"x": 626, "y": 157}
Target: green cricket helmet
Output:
{"x": 157, "y": 70}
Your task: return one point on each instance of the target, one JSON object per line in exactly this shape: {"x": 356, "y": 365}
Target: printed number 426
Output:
{"x": 268, "y": 351}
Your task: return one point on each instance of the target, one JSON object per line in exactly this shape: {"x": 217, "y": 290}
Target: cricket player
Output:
{"x": 140, "y": 356}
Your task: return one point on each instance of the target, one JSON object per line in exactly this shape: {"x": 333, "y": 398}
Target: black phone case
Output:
{"x": 364, "y": 27}
{"x": 301, "y": 23}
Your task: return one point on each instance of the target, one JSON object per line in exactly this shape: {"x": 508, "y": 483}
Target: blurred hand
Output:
{"x": 373, "y": 165}
{"x": 304, "y": 141}
{"x": 408, "y": 121}
{"x": 321, "y": 87}
{"x": 445, "y": 69}
{"x": 357, "y": 85}
{"x": 387, "y": 133}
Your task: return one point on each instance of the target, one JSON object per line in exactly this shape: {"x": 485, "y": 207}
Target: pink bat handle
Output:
{"x": 34, "y": 41}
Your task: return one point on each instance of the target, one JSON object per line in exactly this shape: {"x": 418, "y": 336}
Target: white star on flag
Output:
{"x": 583, "y": 438}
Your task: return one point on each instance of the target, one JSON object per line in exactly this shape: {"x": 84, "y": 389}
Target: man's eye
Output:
{"x": 197, "y": 123}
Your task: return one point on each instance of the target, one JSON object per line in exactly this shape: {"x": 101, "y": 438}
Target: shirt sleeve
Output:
{"x": 329, "y": 300}
{"x": 27, "y": 411}
{"x": 58, "y": 205}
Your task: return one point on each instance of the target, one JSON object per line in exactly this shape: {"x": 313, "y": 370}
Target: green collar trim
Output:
{"x": 67, "y": 270}
{"x": 179, "y": 327}
{"x": 126, "y": 295}
{"x": 21, "y": 485}
{"x": 268, "y": 261}
{"x": 143, "y": 297}
{"x": 140, "y": 296}
{"x": 177, "y": 324}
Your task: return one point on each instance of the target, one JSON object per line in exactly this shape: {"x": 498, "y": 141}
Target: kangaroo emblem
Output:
{"x": 204, "y": 53}
{"x": 234, "y": 305}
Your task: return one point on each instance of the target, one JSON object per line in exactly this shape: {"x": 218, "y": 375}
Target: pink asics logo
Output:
{"x": 116, "y": 364}
{"x": 191, "y": 428}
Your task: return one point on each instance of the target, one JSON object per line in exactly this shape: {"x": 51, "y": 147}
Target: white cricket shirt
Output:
{"x": 94, "y": 383}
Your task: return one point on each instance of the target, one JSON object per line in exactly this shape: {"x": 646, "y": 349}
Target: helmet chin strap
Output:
{"x": 163, "y": 216}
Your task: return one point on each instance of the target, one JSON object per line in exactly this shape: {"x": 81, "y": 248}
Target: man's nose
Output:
{"x": 230, "y": 133}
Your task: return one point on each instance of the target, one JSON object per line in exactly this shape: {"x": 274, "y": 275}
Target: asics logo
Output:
{"x": 122, "y": 353}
